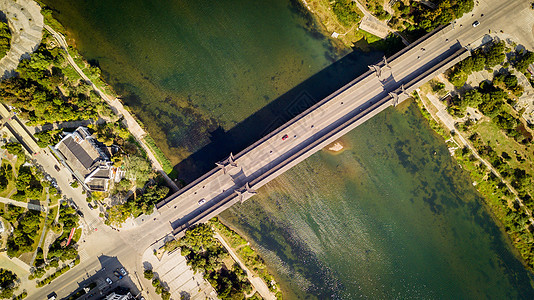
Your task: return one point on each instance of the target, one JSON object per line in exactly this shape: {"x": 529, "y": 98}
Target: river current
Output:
{"x": 391, "y": 216}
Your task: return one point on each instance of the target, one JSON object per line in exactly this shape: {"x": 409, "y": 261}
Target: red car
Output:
{"x": 284, "y": 137}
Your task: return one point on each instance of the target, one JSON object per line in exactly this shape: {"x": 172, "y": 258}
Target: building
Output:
{"x": 115, "y": 296}
{"x": 88, "y": 163}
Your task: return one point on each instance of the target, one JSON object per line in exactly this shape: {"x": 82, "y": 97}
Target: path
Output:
{"x": 43, "y": 232}
{"x": 26, "y": 25}
{"x": 256, "y": 282}
{"x": 130, "y": 122}
{"x": 23, "y": 204}
{"x": 445, "y": 118}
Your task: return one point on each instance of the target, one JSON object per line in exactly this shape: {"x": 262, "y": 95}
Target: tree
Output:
{"x": 472, "y": 98}
{"x": 138, "y": 169}
{"x": 346, "y": 11}
{"x": 495, "y": 54}
{"x": 524, "y": 61}
{"x": 13, "y": 148}
{"x": 149, "y": 274}
{"x": 457, "y": 77}
{"x": 510, "y": 81}
{"x": 8, "y": 282}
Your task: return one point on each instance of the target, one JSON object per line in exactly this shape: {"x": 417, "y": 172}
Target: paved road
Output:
{"x": 128, "y": 245}
{"x": 296, "y": 139}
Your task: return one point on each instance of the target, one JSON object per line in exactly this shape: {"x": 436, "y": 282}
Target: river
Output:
{"x": 392, "y": 216}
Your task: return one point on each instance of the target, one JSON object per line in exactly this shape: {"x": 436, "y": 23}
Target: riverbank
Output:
{"x": 154, "y": 154}
{"x": 480, "y": 145}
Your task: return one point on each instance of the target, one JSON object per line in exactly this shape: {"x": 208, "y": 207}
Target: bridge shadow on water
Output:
{"x": 275, "y": 114}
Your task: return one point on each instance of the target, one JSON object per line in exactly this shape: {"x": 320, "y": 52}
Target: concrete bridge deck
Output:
{"x": 256, "y": 164}
{"x": 387, "y": 83}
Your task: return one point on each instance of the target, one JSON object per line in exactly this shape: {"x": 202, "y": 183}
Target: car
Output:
{"x": 52, "y": 296}
{"x": 57, "y": 168}
{"x": 123, "y": 272}
{"x": 79, "y": 213}
{"x": 201, "y": 201}
{"x": 109, "y": 281}
{"x": 116, "y": 273}
{"x": 285, "y": 137}
{"x": 476, "y": 23}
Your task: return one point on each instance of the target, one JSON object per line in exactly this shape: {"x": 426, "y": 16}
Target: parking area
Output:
{"x": 174, "y": 272}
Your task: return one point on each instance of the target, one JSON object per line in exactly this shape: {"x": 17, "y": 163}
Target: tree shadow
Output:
{"x": 275, "y": 114}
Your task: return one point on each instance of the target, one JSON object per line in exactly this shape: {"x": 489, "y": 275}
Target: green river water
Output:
{"x": 392, "y": 216}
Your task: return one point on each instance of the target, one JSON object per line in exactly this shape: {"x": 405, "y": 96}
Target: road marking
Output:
{"x": 83, "y": 255}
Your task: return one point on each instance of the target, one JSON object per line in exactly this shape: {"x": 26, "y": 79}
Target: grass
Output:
{"x": 322, "y": 10}
{"x": 496, "y": 195}
{"x": 160, "y": 156}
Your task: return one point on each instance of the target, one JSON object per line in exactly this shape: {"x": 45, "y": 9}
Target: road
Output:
{"x": 296, "y": 140}
{"x": 272, "y": 151}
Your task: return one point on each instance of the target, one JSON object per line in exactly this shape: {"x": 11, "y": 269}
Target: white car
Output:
{"x": 476, "y": 23}
{"x": 123, "y": 272}
{"x": 201, "y": 201}
{"x": 109, "y": 281}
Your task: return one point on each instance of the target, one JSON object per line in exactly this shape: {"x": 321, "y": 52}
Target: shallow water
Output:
{"x": 392, "y": 216}
{"x": 188, "y": 68}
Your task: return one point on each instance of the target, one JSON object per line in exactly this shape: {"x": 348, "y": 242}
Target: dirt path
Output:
{"x": 256, "y": 282}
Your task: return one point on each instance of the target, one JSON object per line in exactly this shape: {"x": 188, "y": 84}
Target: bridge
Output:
{"x": 387, "y": 83}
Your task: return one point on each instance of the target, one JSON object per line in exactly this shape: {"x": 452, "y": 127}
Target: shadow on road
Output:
{"x": 95, "y": 286}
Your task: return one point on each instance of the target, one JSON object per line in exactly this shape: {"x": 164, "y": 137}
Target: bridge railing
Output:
{"x": 300, "y": 155}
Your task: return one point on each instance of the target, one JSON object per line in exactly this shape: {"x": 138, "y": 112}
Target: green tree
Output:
{"x": 13, "y": 148}
{"x": 524, "y": 61}
{"x": 346, "y": 11}
{"x": 8, "y": 283}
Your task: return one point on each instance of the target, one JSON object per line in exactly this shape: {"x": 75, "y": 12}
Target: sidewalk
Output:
{"x": 23, "y": 204}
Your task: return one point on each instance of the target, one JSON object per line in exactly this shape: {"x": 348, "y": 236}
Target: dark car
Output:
{"x": 79, "y": 213}
{"x": 116, "y": 273}
{"x": 57, "y": 168}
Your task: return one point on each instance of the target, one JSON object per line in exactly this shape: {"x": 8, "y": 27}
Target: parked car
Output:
{"x": 57, "y": 168}
{"x": 117, "y": 274}
{"x": 80, "y": 213}
{"x": 123, "y": 272}
{"x": 109, "y": 281}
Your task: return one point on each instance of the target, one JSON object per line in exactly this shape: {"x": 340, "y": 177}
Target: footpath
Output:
{"x": 442, "y": 116}
{"x": 258, "y": 283}
{"x": 133, "y": 126}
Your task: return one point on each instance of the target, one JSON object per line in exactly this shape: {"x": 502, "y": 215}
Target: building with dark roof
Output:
{"x": 88, "y": 163}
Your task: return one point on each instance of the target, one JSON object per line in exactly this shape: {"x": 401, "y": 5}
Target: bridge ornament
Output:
{"x": 245, "y": 192}
{"x": 227, "y": 164}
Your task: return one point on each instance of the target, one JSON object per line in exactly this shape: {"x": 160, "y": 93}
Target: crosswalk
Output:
{"x": 83, "y": 255}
